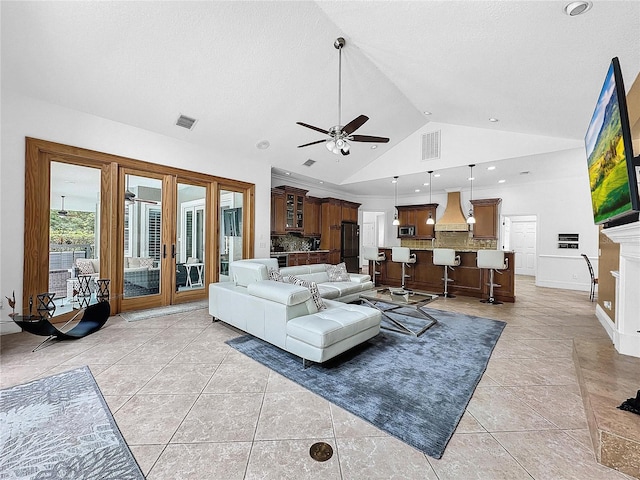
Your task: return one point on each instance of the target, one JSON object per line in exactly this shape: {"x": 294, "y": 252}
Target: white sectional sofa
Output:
{"x": 286, "y": 315}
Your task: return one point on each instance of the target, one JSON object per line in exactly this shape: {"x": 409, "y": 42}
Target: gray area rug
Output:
{"x": 136, "y": 315}
{"x": 60, "y": 427}
{"x": 415, "y": 389}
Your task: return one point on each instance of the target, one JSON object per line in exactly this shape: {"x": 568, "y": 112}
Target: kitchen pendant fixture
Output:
{"x": 430, "y": 220}
{"x": 62, "y": 212}
{"x": 471, "y": 220}
{"x": 396, "y": 220}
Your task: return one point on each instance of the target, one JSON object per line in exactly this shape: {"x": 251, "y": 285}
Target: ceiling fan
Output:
{"x": 130, "y": 197}
{"x": 339, "y": 134}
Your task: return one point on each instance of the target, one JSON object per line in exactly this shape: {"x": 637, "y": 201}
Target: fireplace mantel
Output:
{"x": 624, "y": 330}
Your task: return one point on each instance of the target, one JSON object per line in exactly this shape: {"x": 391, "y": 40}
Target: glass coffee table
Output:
{"x": 391, "y": 300}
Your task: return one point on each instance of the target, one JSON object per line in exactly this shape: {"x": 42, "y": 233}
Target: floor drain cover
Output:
{"x": 321, "y": 451}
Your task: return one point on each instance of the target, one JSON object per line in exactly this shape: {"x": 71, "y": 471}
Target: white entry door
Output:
{"x": 523, "y": 243}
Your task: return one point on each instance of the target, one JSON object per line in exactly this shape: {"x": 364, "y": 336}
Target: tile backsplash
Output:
{"x": 455, "y": 240}
{"x": 291, "y": 243}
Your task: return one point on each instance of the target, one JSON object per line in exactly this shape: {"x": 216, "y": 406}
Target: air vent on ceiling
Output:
{"x": 431, "y": 145}
{"x": 186, "y": 122}
{"x": 309, "y": 162}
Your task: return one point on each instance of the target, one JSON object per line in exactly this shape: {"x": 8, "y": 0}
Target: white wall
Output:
{"x": 560, "y": 205}
{"x": 27, "y": 117}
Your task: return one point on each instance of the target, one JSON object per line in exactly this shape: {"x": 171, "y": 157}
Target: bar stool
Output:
{"x": 403, "y": 255}
{"x": 372, "y": 254}
{"x": 493, "y": 260}
{"x": 448, "y": 259}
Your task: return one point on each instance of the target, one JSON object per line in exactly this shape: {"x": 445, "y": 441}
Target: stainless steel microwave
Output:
{"x": 406, "y": 231}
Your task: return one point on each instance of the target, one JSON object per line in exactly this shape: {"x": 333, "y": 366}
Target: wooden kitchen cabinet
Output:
{"x": 307, "y": 258}
{"x": 487, "y": 215}
{"x": 294, "y": 201}
{"x": 416, "y": 216}
{"x": 350, "y": 211}
{"x": 277, "y": 212}
{"x": 334, "y": 212}
{"x": 312, "y": 217}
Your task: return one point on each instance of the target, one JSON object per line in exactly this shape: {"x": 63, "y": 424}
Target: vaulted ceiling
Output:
{"x": 248, "y": 71}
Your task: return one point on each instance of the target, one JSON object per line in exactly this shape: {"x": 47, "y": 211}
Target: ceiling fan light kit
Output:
{"x": 340, "y": 135}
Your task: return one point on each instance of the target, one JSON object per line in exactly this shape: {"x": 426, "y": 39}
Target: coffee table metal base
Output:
{"x": 401, "y": 327}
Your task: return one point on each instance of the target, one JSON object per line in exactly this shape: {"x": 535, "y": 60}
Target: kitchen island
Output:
{"x": 468, "y": 279}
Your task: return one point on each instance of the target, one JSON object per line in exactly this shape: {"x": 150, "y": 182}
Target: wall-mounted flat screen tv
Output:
{"x": 612, "y": 176}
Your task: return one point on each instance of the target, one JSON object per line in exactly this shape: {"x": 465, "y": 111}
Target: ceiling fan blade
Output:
{"x": 355, "y": 124}
{"x": 312, "y": 143}
{"x": 317, "y": 129}
{"x": 368, "y": 138}
{"x": 345, "y": 152}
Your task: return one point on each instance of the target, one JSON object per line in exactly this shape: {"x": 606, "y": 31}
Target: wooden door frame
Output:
{"x": 39, "y": 154}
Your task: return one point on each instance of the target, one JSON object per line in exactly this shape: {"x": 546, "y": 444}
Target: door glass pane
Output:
{"x": 74, "y": 227}
{"x": 189, "y": 247}
{"x": 142, "y": 236}
{"x": 230, "y": 231}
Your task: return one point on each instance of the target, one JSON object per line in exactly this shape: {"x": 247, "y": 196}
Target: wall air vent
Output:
{"x": 186, "y": 122}
{"x": 431, "y": 145}
{"x": 309, "y": 162}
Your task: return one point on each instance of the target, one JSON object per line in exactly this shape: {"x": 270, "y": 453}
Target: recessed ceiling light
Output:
{"x": 426, "y": 112}
{"x": 494, "y": 120}
{"x": 321, "y": 182}
{"x": 263, "y": 145}
{"x": 471, "y": 178}
{"x": 425, "y": 184}
{"x": 417, "y": 190}
{"x": 492, "y": 167}
{"x": 577, "y": 8}
{"x": 287, "y": 173}
{"x": 436, "y": 175}
{"x": 501, "y": 181}
{"x": 373, "y": 147}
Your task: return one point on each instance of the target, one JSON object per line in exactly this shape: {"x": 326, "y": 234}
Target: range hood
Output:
{"x": 453, "y": 219}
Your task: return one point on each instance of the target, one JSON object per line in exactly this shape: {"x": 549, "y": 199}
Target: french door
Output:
{"x": 164, "y": 231}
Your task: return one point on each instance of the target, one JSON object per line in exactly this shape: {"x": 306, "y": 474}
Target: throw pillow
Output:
{"x": 146, "y": 262}
{"x": 85, "y": 266}
{"x": 313, "y": 288}
{"x": 338, "y": 273}
{"x": 274, "y": 274}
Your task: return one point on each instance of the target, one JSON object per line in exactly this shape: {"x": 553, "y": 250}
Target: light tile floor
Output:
{"x": 190, "y": 407}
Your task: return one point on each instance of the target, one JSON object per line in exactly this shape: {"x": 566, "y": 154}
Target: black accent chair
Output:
{"x": 594, "y": 279}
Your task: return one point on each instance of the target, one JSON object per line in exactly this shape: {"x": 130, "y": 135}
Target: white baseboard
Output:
{"x": 563, "y": 285}
{"x": 625, "y": 344}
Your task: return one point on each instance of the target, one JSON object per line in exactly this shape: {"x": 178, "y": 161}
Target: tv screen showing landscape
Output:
{"x": 608, "y": 152}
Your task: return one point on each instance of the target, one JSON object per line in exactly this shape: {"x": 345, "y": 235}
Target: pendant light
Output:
{"x": 396, "y": 220}
{"x": 471, "y": 220}
{"x": 62, "y": 212}
{"x": 430, "y": 220}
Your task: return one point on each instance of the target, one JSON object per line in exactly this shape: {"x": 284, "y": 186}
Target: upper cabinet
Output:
{"x": 350, "y": 211}
{"x": 277, "y": 212}
{"x": 312, "y": 215}
{"x": 416, "y": 216}
{"x": 487, "y": 214}
{"x": 292, "y": 210}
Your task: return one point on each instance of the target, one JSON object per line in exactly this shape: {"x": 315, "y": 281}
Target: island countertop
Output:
{"x": 468, "y": 279}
